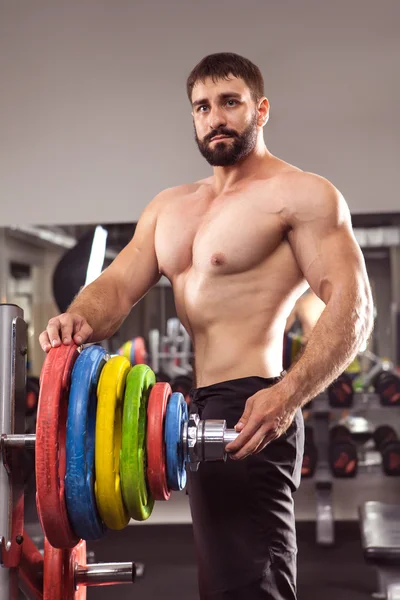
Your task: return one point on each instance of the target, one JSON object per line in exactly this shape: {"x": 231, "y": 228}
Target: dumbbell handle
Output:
{"x": 108, "y": 573}
{"x": 205, "y": 441}
{"x": 230, "y": 435}
{"x": 220, "y": 436}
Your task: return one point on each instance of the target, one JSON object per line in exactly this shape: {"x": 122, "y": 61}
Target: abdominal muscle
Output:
{"x": 235, "y": 279}
{"x": 236, "y": 323}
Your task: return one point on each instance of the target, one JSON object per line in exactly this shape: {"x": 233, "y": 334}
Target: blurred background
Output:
{"x": 94, "y": 121}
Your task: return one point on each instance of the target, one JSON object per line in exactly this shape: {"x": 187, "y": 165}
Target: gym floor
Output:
{"x": 168, "y": 552}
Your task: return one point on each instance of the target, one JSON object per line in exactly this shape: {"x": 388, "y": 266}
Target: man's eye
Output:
{"x": 200, "y": 109}
{"x": 232, "y": 102}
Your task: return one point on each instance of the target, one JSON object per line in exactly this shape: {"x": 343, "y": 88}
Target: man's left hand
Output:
{"x": 267, "y": 415}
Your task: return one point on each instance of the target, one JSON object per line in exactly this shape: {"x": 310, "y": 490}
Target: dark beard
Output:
{"x": 226, "y": 154}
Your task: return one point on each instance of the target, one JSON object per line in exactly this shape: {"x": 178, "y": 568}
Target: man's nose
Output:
{"x": 217, "y": 118}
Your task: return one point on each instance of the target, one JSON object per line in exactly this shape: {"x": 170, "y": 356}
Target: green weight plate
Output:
{"x": 133, "y": 464}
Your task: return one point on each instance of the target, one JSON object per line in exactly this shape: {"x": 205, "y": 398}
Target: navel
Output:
{"x": 218, "y": 259}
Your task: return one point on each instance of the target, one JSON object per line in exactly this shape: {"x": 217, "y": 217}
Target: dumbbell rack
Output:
{"x": 321, "y": 420}
{"x": 17, "y": 551}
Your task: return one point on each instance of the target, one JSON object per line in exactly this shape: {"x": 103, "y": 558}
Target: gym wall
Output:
{"x": 94, "y": 119}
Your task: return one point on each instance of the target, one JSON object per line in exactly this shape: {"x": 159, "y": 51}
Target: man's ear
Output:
{"x": 263, "y": 111}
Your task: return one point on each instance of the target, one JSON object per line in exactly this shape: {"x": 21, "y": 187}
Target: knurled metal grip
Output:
{"x": 205, "y": 441}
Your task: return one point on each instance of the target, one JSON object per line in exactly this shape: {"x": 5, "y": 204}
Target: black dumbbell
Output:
{"x": 343, "y": 457}
{"x": 387, "y": 385}
{"x": 340, "y": 392}
{"x": 388, "y": 444}
{"x": 163, "y": 377}
{"x": 310, "y": 457}
{"x": 182, "y": 384}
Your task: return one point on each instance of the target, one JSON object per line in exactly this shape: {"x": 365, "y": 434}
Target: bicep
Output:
{"x": 135, "y": 270}
{"x": 325, "y": 247}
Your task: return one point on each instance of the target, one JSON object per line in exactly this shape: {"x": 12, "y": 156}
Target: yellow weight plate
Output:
{"x": 110, "y": 395}
{"x": 127, "y": 350}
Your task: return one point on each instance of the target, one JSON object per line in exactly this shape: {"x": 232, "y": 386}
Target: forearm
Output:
{"x": 102, "y": 305}
{"x": 341, "y": 331}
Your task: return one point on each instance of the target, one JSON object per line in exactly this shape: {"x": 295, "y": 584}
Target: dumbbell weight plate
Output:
{"x": 340, "y": 392}
{"x": 391, "y": 458}
{"x": 81, "y": 428}
{"x": 343, "y": 459}
{"x": 50, "y": 455}
{"x": 339, "y": 433}
{"x": 387, "y": 443}
{"x": 137, "y": 498}
{"x": 343, "y": 456}
{"x": 177, "y": 415}
{"x": 384, "y": 434}
{"x": 182, "y": 384}
{"x": 140, "y": 354}
{"x": 162, "y": 377}
{"x": 387, "y": 385}
{"x": 110, "y": 394}
{"x": 126, "y": 350}
{"x": 156, "y": 456}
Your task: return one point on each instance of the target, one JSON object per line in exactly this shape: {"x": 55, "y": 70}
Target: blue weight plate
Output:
{"x": 81, "y": 428}
{"x": 132, "y": 358}
{"x": 177, "y": 414}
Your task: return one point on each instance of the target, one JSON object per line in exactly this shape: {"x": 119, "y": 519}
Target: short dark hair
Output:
{"x": 221, "y": 66}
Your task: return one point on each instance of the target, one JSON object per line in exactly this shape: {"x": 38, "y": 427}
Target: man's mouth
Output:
{"x": 220, "y": 137}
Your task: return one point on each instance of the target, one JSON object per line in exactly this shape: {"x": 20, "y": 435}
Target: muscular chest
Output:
{"x": 232, "y": 237}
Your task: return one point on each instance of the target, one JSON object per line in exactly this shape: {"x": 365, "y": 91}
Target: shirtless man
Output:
{"x": 239, "y": 248}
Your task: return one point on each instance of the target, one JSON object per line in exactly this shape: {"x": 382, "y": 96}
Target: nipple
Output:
{"x": 218, "y": 259}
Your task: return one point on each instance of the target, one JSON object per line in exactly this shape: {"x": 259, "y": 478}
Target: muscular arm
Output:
{"x": 107, "y": 301}
{"x": 331, "y": 260}
{"x": 100, "y": 308}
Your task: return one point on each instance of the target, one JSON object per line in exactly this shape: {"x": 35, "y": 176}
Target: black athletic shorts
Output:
{"x": 242, "y": 511}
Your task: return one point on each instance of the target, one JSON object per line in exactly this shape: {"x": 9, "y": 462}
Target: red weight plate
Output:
{"x": 53, "y": 584}
{"x": 50, "y": 446}
{"x": 156, "y": 469}
{"x": 73, "y": 558}
{"x": 140, "y": 351}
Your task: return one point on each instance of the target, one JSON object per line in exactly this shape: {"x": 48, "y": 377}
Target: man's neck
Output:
{"x": 227, "y": 178}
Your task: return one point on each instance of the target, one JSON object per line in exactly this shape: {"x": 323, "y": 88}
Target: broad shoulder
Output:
{"x": 172, "y": 195}
{"x": 310, "y": 197}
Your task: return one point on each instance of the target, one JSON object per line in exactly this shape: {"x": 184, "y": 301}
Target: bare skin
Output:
{"x": 239, "y": 249}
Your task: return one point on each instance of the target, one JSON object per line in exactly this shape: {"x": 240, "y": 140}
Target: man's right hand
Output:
{"x": 64, "y": 329}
